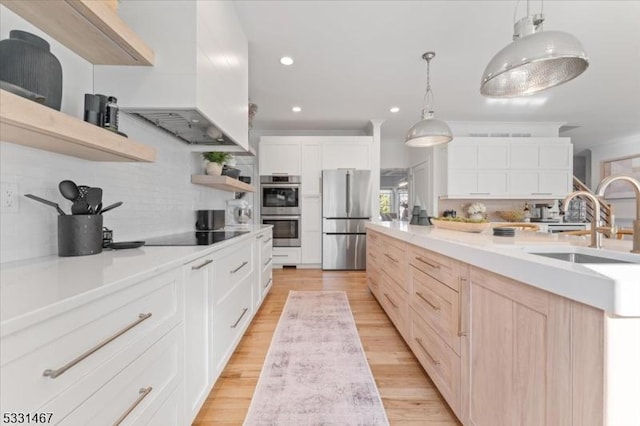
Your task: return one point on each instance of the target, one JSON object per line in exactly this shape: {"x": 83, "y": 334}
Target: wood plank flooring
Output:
{"x": 408, "y": 395}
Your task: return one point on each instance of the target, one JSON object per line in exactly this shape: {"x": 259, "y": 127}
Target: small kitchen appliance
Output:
{"x": 210, "y": 220}
{"x": 238, "y": 214}
{"x": 280, "y": 195}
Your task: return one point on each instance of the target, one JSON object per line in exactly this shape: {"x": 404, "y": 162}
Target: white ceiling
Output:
{"x": 356, "y": 59}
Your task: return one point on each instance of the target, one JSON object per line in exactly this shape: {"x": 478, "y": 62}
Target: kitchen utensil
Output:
{"x": 69, "y": 190}
{"x": 107, "y": 237}
{"x": 93, "y": 198}
{"x": 126, "y": 245}
{"x": 80, "y": 207}
{"x": 98, "y": 209}
{"x": 47, "y": 202}
{"x": 111, "y": 207}
{"x": 82, "y": 189}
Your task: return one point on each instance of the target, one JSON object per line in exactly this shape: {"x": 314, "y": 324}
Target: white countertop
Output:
{"x": 35, "y": 289}
{"x": 614, "y": 288}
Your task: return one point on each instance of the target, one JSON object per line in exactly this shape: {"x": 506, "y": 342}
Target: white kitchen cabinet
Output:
{"x": 311, "y": 246}
{"x": 199, "y": 374}
{"x": 279, "y": 156}
{"x": 353, "y": 152}
{"x": 263, "y": 249}
{"x": 311, "y": 167}
{"x": 509, "y": 168}
{"x": 286, "y": 255}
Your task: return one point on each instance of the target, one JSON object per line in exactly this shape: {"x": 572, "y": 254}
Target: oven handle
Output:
{"x": 280, "y": 185}
{"x": 296, "y": 217}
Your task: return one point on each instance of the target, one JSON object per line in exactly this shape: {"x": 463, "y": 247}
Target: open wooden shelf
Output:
{"x": 224, "y": 183}
{"x": 91, "y": 28}
{"x": 31, "y": 124}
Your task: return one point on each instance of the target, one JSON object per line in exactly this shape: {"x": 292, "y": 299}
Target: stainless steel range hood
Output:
{"x": 189, "y": 125}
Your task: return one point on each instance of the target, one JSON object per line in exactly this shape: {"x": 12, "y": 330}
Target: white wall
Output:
{"x": 625, "y": 209}
{"x": 158, "y": 197}
{"x": 394, "y": 155}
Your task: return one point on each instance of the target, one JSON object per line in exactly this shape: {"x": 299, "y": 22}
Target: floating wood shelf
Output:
{"x": 91, "y": 28}
{"x": 28, "y": 123}
{"x": 224, "y": 183}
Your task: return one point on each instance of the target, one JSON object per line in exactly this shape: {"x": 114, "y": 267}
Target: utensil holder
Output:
{"x": 79, "y": 235}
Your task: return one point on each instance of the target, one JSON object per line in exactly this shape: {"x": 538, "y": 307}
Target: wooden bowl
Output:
{"x": 461, "y": 226}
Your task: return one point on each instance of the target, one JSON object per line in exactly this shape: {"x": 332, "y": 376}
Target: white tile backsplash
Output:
{"x": 158, "y": 197}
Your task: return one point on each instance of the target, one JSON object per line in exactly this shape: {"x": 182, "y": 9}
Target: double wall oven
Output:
{"x": 280, "y": 207}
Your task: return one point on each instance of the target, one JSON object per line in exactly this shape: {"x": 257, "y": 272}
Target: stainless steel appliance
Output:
{"x": 238, "y": 215}
{"x": 286, "y": 230}
{"x": 209, "y": 220}
{"x": 280, "y": 195}
{"x": 346, "y": 206}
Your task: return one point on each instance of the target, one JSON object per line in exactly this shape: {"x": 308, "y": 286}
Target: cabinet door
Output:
{"x": 311, "y": 247}
{"x": 462, "y": 156}
{"x": 462, "y": 182}
{"x": 311, "y": 168}
{"x": 279, "y": 157}
{"x": 556, "y": 156}
{"x": 524, "y": 183}
{"x": 524, "y": 155}
{"x": 557, "y": 183}
{"x": 198, "y": 372}
{"x": 492, "y": 183}
{"x": 514, "y": 358}
{"x": 345, "y": 154}
{"x": 493, "y": 156}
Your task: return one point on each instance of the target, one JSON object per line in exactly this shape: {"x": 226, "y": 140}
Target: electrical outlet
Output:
{"x": 9, "y": 197}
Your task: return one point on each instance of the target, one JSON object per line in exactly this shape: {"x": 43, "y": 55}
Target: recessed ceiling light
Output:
{"x": 286, "y": 60}
{"x": 296, "y": 109}
{"x": 394, "y": 109}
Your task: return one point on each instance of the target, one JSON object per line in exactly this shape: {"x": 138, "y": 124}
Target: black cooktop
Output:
{"x": 196, "y": 238}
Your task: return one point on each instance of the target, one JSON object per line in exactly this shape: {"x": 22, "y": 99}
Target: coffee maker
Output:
{"x": 238, "y": 214}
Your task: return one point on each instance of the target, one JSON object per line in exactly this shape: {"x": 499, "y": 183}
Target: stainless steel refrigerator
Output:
{"x": 346, "y": 207}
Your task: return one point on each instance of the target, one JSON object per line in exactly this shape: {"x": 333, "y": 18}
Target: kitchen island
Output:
{"x": 508, "y": 336}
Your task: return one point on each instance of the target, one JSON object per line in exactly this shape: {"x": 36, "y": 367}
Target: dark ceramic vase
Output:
{"x": 25, "y": 60}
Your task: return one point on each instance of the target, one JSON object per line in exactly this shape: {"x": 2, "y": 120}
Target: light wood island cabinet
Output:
{"x": 500, "y": 352}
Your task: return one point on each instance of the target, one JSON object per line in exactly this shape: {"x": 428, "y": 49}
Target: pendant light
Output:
{"x": 534, "y": 61}
{"x": 429, "y": 131}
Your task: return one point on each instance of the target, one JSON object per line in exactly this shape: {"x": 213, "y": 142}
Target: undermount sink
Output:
{"x": 584, "y": 255}
{"x": 580, "y": 258}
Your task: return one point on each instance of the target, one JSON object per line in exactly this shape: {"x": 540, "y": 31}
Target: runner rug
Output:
{"x": 315, "y": 372}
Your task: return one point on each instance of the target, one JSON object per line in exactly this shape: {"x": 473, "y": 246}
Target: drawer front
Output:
{"x": 440, "y": 267}
{"x": 169, "y": 412}
{"x": 267, "y": 279}
{"x": 136, "y": 392}
{"x": 394, "y": 302}
{"x": 232, "y": 266}
{"x": 85, "y": 341}
{"x": 438, "y": 305}
{"x": 394, "y": 262}
{"x": 373, "y": 280}
{"x": 438, "y": 359}
{"x": 286, "y": 255}
{"x": 229, "y": 321}
{"x": 374, "y": 239}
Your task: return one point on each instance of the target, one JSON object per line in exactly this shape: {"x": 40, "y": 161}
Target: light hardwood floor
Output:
{"x": 408, "y": 395}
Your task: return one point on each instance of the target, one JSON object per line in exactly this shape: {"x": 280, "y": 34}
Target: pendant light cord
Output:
{"x": 427, "y": 101}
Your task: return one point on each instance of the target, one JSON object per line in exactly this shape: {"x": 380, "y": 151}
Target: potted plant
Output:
{"x": 476, "y": 211}
{"x": 216, "y": 160}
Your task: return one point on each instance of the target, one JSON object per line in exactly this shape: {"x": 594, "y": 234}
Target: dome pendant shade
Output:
{"x": 428, "y": 132}
{"x": 534, "y": 63}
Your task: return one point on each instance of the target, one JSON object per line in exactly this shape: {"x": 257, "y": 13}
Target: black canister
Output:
{"x": 79, "y": 235}
{"x": 209, "y": 220}
{"x": 25, "y": 60}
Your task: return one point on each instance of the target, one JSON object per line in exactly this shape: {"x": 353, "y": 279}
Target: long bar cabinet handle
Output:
{"x": 268, "y": 282}
{"x": 205, "y": 263}
{"x": 429, "y": 302}
{"x": 267, "y": 241}
{"x": 268, "y": 261}
{"x": 239, "y": 267}
{"x": 390, "y": 301}
{"x": 460, "y": 332}
{"x": 424, "y": 349}
{"x": 58, "y": 372}
{"x": 423, "y": 260}
{"x": 143, "y": 394}
{"x": 244, "y": 311}
{"x": 391, "y": 258}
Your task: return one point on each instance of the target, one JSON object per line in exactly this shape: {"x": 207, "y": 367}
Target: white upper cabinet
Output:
{"x": 509, "y": 167}
{"x": 349, "y": 152}
{"x": 279, "y": 156}
{"x": 201, "y": 65}
{"x": 311, "y": 162}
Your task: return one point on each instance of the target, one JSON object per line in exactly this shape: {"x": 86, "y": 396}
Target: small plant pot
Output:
{"x": 214, "y": 169}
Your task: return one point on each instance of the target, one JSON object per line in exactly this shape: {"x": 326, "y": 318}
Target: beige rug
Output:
{"x": 316, "y": 372}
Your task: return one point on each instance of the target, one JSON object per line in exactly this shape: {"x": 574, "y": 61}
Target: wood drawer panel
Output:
{"x": 395, "y": 303}
{"x": 438, "y": 305}
{"x": 394, "y": 263}
{"x": 374, "y": 239}
{"x": 64, "y": 338}
{"x": 229, "y": 321}
{"x": 438, "y": 359}
{"x": 158, "y": 368}
{"x": 232, "y": 266}
{"x": 442, "y": 268}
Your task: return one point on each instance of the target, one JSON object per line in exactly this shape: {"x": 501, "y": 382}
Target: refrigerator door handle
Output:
{"x": 348, "y": 192}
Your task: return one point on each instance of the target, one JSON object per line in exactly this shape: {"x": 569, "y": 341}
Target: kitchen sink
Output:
{"x": 580, "y": 258}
